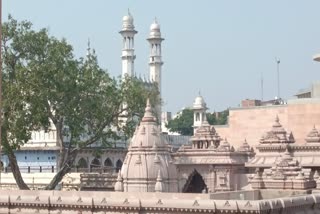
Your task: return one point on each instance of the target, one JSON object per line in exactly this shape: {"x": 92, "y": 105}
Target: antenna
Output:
{"x": 278, "y": 75}
{"x": 261, "y": 86}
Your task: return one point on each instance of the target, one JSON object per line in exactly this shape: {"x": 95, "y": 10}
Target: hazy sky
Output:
{"x": 220, "y": 48}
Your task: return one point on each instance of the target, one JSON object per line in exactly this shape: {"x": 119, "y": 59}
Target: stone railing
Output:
{"x": 112, "y": 202}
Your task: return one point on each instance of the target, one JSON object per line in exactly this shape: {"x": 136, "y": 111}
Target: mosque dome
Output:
{"x": 155, "y": 26}
{"x": 199, "y": 103}
{"x": 127, "y": 22}
{"x": 155, "y": 30}
{"x": 148, "y": 158}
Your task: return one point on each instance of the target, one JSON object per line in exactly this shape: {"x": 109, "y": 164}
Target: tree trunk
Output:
{"x": 16, "y": 171}
{"x": 61, "y": 158}
{"x": 64, "y": 169}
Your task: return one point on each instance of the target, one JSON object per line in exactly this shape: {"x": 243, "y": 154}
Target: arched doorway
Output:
{"x": 118, "y": 165}
{"x": 95, "y": 165}
{"x": 194, "y": 184}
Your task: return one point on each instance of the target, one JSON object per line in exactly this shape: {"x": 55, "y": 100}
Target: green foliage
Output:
{"x": 44, "y": 83}
{"x": 183, "y": 123}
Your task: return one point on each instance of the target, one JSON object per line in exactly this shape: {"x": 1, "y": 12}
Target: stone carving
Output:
{"x": 313, "y": 136}
{"x": 286, "y": 174}
{"x": 277, "y": 135}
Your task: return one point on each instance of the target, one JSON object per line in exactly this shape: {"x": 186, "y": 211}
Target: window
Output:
{"x": 197, "y": 116}
{"x": 25, "y": 157}
{"x": 37, "y": 158}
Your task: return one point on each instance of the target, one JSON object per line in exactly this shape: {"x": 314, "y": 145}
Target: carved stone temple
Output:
{"x": 148, "y": 166}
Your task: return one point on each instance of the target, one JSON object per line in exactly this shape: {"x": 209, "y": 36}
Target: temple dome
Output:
{"x": 148, "y": 158}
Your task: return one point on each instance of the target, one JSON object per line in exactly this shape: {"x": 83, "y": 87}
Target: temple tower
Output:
{"x": 155, "y": 60}
{"x": 128, "y": 56}
{"x": 148, "y": 166}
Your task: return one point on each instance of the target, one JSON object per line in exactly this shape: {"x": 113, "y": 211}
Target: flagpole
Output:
{"x": 278, "y": 76}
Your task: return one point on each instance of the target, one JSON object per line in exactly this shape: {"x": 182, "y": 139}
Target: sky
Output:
{"x": 220, "y": 49}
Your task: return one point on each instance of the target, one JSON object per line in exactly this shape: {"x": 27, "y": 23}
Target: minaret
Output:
{"x": 128, "y": 56}
{"x": 155, "y": 60}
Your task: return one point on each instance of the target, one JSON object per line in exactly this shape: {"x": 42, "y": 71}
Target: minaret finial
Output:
{"x": 155, "y": 20}
{"x": 129, "y": 12}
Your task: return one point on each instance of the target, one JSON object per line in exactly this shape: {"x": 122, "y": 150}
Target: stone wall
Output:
{"x": 22, "y": 201}
{"x": 298, "y": 116}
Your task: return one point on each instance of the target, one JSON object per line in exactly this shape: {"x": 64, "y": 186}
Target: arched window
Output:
{"x": 95, "y": 163}
{"x": 108, "y": 163}
{"x": 82, "y": 163}
{"x": 118, "y": 165}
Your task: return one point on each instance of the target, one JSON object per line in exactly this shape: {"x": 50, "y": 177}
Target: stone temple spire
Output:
{"x": 148, "y": 165}
{"x": 127, "y": 32}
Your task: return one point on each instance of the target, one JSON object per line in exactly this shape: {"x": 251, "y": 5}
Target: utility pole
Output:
{"x": 261, "y": 86}
{"x": 278, "y": 76}
{"x": 1, "y": 163}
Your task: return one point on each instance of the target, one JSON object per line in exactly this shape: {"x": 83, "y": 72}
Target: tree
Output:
{"x": 43, "y": 83}
{"x": 183, "y": 123}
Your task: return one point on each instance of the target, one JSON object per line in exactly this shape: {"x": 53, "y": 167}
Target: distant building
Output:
{"x": 312, "y": 92}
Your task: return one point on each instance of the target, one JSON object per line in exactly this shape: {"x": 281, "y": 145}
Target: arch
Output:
{"x": 118, "y": 165}
{"x": 82, "y": 163}
{"x": 108, "y": 163}
{"x": 195, "y": 183}
{"x": 95, "y": 163}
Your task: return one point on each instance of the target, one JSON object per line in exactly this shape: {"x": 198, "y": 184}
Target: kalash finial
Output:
{"x": 148, "y": 116}
{"x": 129, "y": 12}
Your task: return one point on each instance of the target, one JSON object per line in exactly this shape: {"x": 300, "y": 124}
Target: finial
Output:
{"x": 155, "y": 20}
{"x": 277, "y": 119}
{"x": 148, "y": 103}
{"x": 159, "y": 177}
{"x": 119, "y": 185}
{"x": 129, "y": 12}
{"x": 199, "y": 93}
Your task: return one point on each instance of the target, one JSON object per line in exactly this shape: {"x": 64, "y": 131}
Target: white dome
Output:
{"x": 127, "y": 18}
{"x": 155, "y": 30}
{"x": 154, "y": 26}
{"x": 199, "y": 103}
{"x": 127, "y": 21}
